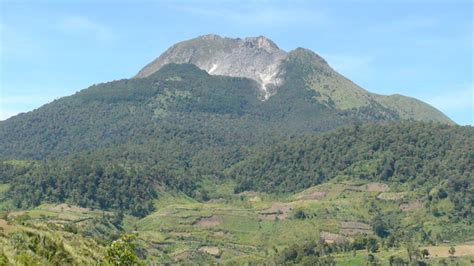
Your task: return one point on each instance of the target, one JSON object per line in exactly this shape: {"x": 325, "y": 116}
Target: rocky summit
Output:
{"x": 257, "y": 58}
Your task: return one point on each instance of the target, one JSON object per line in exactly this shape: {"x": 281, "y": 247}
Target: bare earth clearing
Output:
{"x": 209, "y": 221}
{"x": 411, "y": 206}
{"x": 353, "y": 228}
{"x": 278, "y": 211}
{"x": 443, "y": 251}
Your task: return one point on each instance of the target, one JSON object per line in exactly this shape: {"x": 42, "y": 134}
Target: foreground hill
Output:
{"x": 326, "y": 223}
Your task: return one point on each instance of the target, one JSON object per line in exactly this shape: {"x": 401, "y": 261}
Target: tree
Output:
{"x": 372, "y": 245}
{"x": 452, "y": 250}
{"x": 371, "y": 260}
{"x": 122, "y": 252}
{"x": 300, "y": 214}
{"x": 425, "y": 253}
{"x": 413, "y": 253}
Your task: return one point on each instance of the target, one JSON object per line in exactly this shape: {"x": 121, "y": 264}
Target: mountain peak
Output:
{"x": 257, "y": 58}
{"x": 308, "y": 55}
{"x": 261, "y": 42}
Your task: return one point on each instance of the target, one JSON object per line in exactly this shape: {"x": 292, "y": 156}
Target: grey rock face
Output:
{"x": 257, "y": 58}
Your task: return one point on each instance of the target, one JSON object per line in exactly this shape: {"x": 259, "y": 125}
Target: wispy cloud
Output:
{"x": 83, "y": 25}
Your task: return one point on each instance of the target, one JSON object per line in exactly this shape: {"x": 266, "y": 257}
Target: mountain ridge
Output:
{"x": 310, "y": 97}
{"x": 260, "y": 59}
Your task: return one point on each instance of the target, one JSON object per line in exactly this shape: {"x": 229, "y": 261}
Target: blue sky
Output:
{"x": 422, "y": 49}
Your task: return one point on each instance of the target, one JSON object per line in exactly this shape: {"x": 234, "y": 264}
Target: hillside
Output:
{"x": 260, "y": 59}
{"x": 313, "y": 97}
{"x": 234, "y": 151}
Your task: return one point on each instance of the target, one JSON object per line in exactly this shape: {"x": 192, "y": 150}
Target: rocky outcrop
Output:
{"x": 257, "y": 58}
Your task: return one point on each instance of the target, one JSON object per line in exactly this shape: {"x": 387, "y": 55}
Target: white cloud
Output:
{"x": 83, "y": 25}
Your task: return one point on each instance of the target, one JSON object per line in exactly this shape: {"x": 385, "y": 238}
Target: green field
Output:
{"x": 246, "y": 227}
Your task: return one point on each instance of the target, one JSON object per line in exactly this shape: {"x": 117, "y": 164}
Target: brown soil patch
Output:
{"x": 167, "y": 213}
{"x": 255, "y": 199}
{"x": 332, "y": 238}
{"x": 276, "y": 211}
{"x": 214, "y": 201}
{"x": 371, "y": 187}
{"x": 411, "y": 206}
{"x": 16, "y": 213}
{"x": 214, "y": 251}
{"x": 443, "y": 251}
{"x": 4, "y": 226}
{"x": 182, "y": 256}
{"x": 315, "y": 195}
{"x": 209, "y": 221}
{"x": 354, "y": 228}
{"x": 221, "y": 234}
{"x": 377, "y": 187}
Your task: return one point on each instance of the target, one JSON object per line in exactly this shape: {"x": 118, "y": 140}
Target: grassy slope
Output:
{"x": 337, "y": 91}
{"x": 58, "y": 227}
{"x": 236, "y": 227}
{"x": 411, "y": 108}
{"x": 234, "y": 224}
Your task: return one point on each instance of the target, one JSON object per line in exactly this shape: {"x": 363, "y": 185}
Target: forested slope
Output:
{"x": 422, "y": 155}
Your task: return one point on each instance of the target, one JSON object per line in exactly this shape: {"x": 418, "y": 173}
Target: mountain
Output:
{"x": 248, "y": 83}
{"x": 260, "y": 59}
{"x": 233, "y": 151}
{"x": 256, "y": 58}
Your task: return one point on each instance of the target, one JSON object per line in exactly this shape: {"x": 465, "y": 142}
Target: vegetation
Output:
{"x": 437, "y": 158}
{"x": 122, "y": 252}
{"x": 183, "y": 166}
{"x": 83, "y": 182}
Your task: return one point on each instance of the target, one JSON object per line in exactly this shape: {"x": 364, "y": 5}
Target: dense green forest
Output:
{"x": 176, "y": 101}
{"x": 433, "y": 156}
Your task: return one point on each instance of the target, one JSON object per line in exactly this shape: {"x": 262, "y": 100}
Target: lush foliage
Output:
{"x": 431, "y": 155}
{"x": 122, "y": 252}
{"x": 82, "y": 182}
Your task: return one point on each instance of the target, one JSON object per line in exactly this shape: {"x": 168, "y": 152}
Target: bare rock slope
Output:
{"x": 257, "y": 58}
